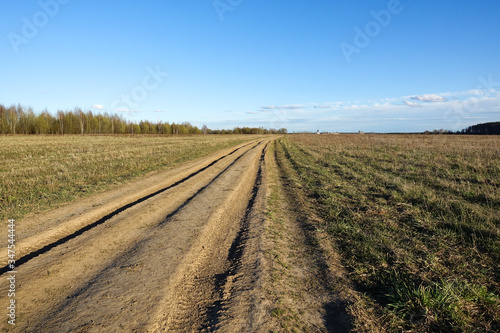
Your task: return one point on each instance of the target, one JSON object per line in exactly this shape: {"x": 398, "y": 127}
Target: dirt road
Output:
{"x": 164, "y": 253}
{"x": 185, "y": 250}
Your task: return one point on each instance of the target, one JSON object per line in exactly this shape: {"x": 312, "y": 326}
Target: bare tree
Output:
{"x": 60, "y": 116}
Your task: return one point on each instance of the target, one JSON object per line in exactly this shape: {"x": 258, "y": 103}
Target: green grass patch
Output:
{"x": 416, "y": 220}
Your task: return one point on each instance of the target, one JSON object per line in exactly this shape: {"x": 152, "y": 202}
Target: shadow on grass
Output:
{"x": 336, "y": 317}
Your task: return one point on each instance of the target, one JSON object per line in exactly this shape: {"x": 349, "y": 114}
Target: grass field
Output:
{"x": 41, "y": 172}
{"x": 415, "y": 219}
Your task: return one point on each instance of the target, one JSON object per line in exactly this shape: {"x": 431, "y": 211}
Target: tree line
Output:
{"x": 17, "y": 119}
{"x": 492, "y": 128}
{"x": 485, "y": 128}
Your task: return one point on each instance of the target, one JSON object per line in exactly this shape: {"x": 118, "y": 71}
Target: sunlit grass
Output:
{"x": 40, "y": 172}
{"x": 416, "y": 219}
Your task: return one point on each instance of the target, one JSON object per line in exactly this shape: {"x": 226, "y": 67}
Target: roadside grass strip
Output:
{"x": 416, "y": 220}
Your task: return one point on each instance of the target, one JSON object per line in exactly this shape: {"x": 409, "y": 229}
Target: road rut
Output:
{"x": 178, "y": 255}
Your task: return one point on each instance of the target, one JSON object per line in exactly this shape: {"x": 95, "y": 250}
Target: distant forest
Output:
{"x": 485, "y": 129}
{"x": 21, "y": 120}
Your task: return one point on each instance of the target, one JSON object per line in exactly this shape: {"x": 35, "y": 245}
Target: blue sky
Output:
{"x": 383, "y": 66}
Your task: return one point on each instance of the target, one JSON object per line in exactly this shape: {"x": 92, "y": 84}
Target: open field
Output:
{"x": 415, "y": 220}
{"x": 193, "y": 247}
{"x": 41, "y": 172}
{"x": 299, "y": 233}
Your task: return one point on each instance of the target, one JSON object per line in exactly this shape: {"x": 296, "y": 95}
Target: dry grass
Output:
{"x": 41, "y": 172}
{"x": 416, "y": 220}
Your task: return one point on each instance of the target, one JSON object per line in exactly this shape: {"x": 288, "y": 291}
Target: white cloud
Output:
{"x": 98, "y": 107}
{"x": 476, "y": 92}
{"x": 452, "y": 110}
{"x": 433, "y": 98}
{"x": 381, "y": 104}
{"x": 470, "y": 92}
{"x": 357, "y": 106}
{"x": 328, "y": 105}
{"x": 412, "y": 104}
{"x": 284, "y": 107}
{"x": 293, "y": 107}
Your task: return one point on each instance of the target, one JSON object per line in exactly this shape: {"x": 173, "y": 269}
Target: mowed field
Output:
{"x": 41, "y": 172}
{"x": 415, "y": 220}
{"x": 295, "y": 233}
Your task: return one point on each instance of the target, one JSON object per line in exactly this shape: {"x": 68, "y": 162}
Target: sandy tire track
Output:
{"x": 115, "y": 276}
{"x": 219, "y": 288}
{"x": 37, "y": 231}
